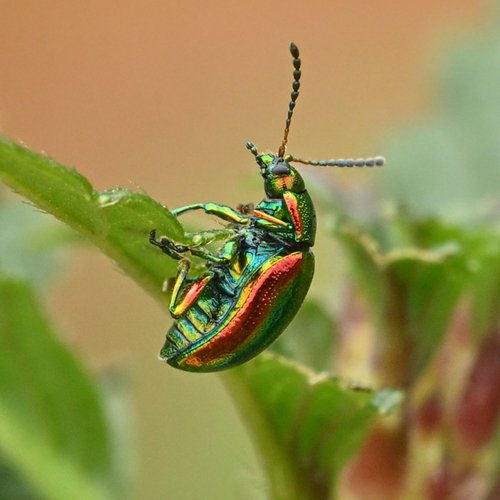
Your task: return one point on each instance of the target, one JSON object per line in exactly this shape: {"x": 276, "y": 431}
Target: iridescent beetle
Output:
{"x": 256, "y": 283}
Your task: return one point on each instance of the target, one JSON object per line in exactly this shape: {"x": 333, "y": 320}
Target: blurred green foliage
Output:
{"x": 52, "y": 427}
{"x": 446, "y": 163}
{"x": 54, "y": 439}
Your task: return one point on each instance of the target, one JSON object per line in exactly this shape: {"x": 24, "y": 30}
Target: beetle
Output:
{"x": 255, "y": 284}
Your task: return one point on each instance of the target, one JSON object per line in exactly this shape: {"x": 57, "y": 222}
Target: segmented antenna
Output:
{"x": 378, "y": 161}
{"x": 294, "y": 95}
{"x": 252, "y": 148}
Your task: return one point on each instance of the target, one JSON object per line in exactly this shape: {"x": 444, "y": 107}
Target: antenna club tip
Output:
{"x": 294, "y": 50}
{"x": 379, "y": 161}
{"x": 252, "y": 148}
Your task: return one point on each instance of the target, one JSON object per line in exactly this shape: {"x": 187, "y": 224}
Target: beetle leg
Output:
{"x": 269, "y": 222}
{"x": 226, "y": 213}
{"x": 228, "y": 275}
{"x": 204, "y": 237}
{"x": 178, "y": 303}
{"x": 187, "y": 208}
{"x": 176, "y": 251}
{"x": 221, "y": 211}
{"x": 206, "y": 255}
{"x": 171, "y": 249}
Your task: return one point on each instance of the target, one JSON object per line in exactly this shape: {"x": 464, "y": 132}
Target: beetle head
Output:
{"x": 279, "y": 176}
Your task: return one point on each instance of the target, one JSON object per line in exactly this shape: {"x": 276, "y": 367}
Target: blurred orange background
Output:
{"x": 161, "y": 97}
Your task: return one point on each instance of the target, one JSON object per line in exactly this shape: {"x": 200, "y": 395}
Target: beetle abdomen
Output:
{"x": 247, "y": 325}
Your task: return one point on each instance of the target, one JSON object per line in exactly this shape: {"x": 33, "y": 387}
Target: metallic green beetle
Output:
{"x": 256, "y": 283}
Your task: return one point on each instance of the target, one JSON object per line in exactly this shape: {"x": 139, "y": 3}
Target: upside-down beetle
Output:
{"x": 255, "y": 284}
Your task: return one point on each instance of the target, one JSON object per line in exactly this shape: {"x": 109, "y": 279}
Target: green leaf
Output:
{"x": 117, "y": 221}
{"x": 305, "y": 426}
{"x": 13, "y": 486}
{"x": 52, "y": 428}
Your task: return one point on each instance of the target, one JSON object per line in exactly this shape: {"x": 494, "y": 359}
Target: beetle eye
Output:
{"x": 280, "y": 169}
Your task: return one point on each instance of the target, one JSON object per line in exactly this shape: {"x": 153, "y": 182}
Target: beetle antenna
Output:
{"x": 378, "y": 161}
{"x": 252, "y": 148}
{"x": 294, "y": 95}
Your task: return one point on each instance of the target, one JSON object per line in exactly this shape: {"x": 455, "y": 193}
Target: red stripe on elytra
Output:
{"x": 293, "y": 208}
{"x": 250, "y": 317}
